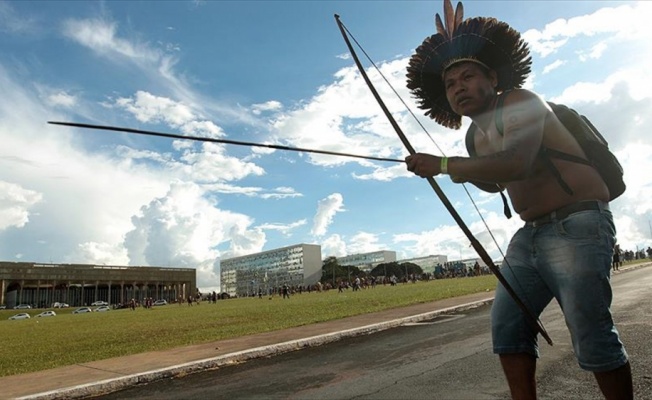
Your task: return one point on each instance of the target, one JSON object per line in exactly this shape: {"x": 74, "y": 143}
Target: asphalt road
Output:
{"x": 446, "y": 358}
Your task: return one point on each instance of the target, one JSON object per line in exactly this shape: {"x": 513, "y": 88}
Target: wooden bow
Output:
{"x": 532, "y": 319}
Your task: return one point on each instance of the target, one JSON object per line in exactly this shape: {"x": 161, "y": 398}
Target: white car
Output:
{"x": 159, "y": 303}
{"x": 47, "y": 314}
{"x": 99, "y": 303}
{"x": 82, "y": 310}
{"x": 60, "y": 305}
{"x": 22, "y": 307}
{"x": 103, "y": 308}
{"x": 20, "y": 316}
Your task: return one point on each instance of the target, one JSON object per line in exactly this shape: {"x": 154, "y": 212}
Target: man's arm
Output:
{"x": 524, "y": 116}
{"x": 487, "y": 187}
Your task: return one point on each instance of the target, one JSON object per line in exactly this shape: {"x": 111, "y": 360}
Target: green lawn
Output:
{"x": 43, "y": 343}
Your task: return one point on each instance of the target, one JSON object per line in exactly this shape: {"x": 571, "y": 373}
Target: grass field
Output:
{"x": 43, "y": 343}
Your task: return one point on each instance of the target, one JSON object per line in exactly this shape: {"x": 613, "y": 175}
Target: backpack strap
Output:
{"x": 501, "y": 127}
{"x": 568, "y": 157}
{"x": 470, "y": 148}
{"x": 470, "y": 140}
{"x": 544, "y": 152}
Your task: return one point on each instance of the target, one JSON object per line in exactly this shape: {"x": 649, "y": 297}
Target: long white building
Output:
{"x": 367, "y": 261}
{"x": 297, "y": 265}
{"x": 427, "y": 263}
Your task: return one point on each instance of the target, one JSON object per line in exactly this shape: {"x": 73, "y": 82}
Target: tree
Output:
{"x": 332, "y": 271}
{"x": 411, "y": 268}
{"x": 386, "y": 269}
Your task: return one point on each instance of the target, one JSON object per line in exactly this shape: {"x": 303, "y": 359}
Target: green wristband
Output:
{"x": 444, "y": 165}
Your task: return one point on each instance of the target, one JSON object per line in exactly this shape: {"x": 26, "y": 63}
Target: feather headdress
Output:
{"x": 485, "y": 41}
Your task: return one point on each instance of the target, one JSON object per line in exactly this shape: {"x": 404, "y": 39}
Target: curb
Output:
{"x": 116, "y": 384}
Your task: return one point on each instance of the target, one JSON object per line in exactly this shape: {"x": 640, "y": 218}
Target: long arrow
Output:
{"x": 213, "y": 140}
{"x": 532, "y": 319}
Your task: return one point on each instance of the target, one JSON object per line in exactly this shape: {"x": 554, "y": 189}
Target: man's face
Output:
{"x": 469, "y": 88}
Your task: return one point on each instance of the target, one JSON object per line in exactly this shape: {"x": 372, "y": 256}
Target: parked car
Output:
{"x": 47, "y": 314}
{"x": 20, "y": 316}
{"x": 103, "y": 308}
{"x": 82, "y": 310}
{"x": 159, "y": 303}
{"x": 22, "y": 307}
{"x": 3, "y": 307}
{"x": 99, "y": 303}
{"x": 60, "y": 305}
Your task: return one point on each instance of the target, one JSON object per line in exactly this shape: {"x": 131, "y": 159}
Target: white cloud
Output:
{"x": 12, "y": 22}
{"x": 326, "y": 210}
{"x": 385, "y": 173}
{"x": 56, "y": 97}
{"x": 594, "y": 53}
{"x": 624, "y": 22}
{"x": 364, "y": 242}
{"x": 100, "y": 35}
{"x": 354, "y": 126}
{"x": 285, "y": 229}
{"x": 15, "y": 202}
{"x": 152, "y": 109}
{"x": 271, "y": 105}
{"x": 281, "y": 193}
{"x": 99, "y": 254}
{"x": 333, "y": 246}
{"x": 552, "y": 66}
{"x": 183, "y": 229}
{"x": 179, "y": 229}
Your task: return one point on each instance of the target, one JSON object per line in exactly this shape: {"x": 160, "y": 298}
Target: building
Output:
{"x": 298, "y": 265}
{"x": 367, "y": 261}
{"x": 427, "y": 263}
{"x": 41, "y": 285}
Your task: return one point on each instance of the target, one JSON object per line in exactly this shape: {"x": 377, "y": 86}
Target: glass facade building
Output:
{"x": 298, "y": 265}
{"x": 427, "y": 263}
{"x": 367, "y": 261}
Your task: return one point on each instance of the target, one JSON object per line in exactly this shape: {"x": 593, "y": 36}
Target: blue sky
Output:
{"x": 273, "y": 72}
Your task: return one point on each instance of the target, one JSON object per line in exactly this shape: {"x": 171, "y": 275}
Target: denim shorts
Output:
{"x": 570, "y": 260}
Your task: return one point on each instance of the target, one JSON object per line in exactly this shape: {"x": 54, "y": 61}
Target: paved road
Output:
{"x": 448, "y": 357}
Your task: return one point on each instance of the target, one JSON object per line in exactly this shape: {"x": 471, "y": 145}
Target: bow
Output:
{"x": 532, "y": 319}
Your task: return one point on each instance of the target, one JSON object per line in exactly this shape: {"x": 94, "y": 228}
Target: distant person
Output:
{"x": 616, "y": 263}
{"x": 476, "y": 68}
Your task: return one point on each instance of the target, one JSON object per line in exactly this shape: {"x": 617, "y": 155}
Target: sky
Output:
{"x": 275, "y": 72}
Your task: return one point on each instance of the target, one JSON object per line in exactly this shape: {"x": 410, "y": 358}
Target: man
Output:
{"x": 475, "y": 68}
{"x": 616, "y": 259}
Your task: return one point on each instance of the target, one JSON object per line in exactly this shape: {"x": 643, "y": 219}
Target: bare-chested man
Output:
{"x": 564, "y": 250}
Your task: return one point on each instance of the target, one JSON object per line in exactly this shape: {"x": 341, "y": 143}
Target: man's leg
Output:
{"x": 616, "y": 384}
{"x": 520, "y": 369}
{"x": 514, "y": 338}
{"x": 585, "y": 296}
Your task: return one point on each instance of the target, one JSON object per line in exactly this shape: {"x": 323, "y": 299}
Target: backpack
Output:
{"x": 587, "y": 136}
